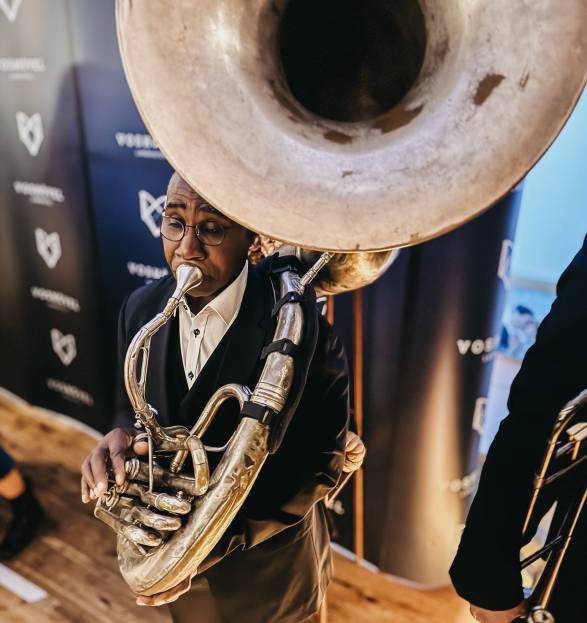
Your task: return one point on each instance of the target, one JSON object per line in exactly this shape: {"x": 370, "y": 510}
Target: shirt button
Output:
{"x": 196, "y": 332}
{"x": 191, "y": 376}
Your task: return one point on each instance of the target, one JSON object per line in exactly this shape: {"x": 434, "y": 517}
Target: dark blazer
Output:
{"x": 486, "y": 570}
{"x": 274, "y": 562}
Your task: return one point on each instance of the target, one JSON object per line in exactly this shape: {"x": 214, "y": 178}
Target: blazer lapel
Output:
{"x": 236, "y": 358}
{"x": 248, "y": 333}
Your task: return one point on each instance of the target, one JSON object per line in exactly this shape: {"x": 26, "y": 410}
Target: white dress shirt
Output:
{"x": 200, "y": 334}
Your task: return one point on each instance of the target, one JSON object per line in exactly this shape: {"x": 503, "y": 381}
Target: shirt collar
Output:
{"x": 227, "y": 303}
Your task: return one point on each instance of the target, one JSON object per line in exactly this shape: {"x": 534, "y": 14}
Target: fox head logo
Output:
{"x": 10, "y": 8}
{"x": 30, "y": 131}
{"x": 151, "y": 209}
{"x": 63, "y": 346}
{"x": 48, "y": 246}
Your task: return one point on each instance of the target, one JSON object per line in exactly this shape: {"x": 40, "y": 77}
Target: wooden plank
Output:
{"x": 74, "y": 557}
{"x": 359, "y": 594}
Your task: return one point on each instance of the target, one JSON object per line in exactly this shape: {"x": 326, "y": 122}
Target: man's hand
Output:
{"x": 498, "y": 616}
{"x": 94, "y": 469}
{"x": 166, "y": 597}
{"x": 354, "y": 452}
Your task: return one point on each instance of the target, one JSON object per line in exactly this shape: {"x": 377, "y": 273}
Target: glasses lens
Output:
{"x": 172, "y": 228}
{"x": 211, "y": 233}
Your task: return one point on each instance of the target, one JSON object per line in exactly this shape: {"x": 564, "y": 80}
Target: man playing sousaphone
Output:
{"x": 274, "y": 561}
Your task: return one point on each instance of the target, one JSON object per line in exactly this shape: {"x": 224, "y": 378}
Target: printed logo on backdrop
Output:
{"x": 40, "y": 194}
{"x": 505, "y": 263}
{"x": 63, "y": 346}
{"x": 143, "y": 145}
{"x": 55, "y": 300}
{"x": 48, "y": 246}
{"x": 10, "y": 8}
{"x": 22, "y": 67}
{"x": 480, "y": 415}
{"x": 144, "y": 271}
{"x": 70, "y": 392}
{"x": 484, "y": 348}
{"x": 30, "y": 131}
{"x": 151, "y": 209}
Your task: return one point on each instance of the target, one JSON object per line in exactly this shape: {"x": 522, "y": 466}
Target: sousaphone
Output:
{"x": 345, "y": 126}
{"x": 353, "y": 125}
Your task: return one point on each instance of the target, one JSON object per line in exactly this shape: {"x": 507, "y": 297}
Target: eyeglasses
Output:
{"x": 210, "y": 233}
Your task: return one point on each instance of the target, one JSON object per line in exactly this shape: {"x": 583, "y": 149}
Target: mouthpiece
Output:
{"x": 188, "y": 277}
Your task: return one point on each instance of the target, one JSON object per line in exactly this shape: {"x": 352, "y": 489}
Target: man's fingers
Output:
{"x": 117, "y": 455}
{"x": 98, "y": 467}
{"x": 167, "y": 596}
{"x": 87, "y": 474}
{"x": 85, "y": 491}
{"x": 141, "y": 448}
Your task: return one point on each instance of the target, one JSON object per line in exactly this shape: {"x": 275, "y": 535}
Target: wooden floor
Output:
{"x": 74, "y": 558}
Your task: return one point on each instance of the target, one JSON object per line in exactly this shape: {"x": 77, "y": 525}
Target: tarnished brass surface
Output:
{"x": 180, "y": 555}
{"x": 496, "y": 82}
{"x": 348, "y": 271}
{"x": 160, "y": 501}
{"x": 157, "y": 549}
{"x": 342, "y": 272}
{"x": 276, "y": 378}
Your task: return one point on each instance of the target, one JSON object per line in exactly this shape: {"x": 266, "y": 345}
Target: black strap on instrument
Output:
{"x": 290, "y": 297}
{"x": 284, "y": 346}
{"x": 302, "y": 353}
{"x": 258, "y": 412}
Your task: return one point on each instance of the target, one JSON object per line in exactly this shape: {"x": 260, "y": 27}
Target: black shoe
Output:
{"x": 27, "y": 516}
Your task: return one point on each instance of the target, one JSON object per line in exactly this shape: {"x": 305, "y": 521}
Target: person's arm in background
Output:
{"x": 486, "y": 570}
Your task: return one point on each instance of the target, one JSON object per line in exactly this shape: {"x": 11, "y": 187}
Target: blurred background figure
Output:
{"x": 519, "y": 332}
{"x": 27, "y": 514}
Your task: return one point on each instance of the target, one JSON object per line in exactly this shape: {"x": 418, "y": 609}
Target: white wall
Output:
{"x": 553, "y": 216}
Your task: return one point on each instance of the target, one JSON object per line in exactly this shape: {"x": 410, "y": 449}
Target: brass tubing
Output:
{"x": 358, "y": 489}
{"x": 565, "y": 416}
{"x": 546, "y": 592}
{"x": 137, "y": 470}
{"x": 554, "y": 544}
{"x": 564, "y": 470}
{"x": 314, "y": 270}
{"x": 232, "y": 390}
{"x": 207, "y": 416}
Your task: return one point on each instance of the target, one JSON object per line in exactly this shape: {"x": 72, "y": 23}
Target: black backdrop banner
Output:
{"x": 81, "y": 186}
{"x": 81, "y": 190}
{"x": 431, "y": 326}
{"x": 52, "y": 354}
{"x": 128, "y": 174}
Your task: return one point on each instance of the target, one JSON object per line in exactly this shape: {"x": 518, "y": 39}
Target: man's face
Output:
{"x": 219, "y": 264}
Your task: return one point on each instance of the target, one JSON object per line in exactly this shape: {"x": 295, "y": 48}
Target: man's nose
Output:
{"x": 190, "y": 246}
